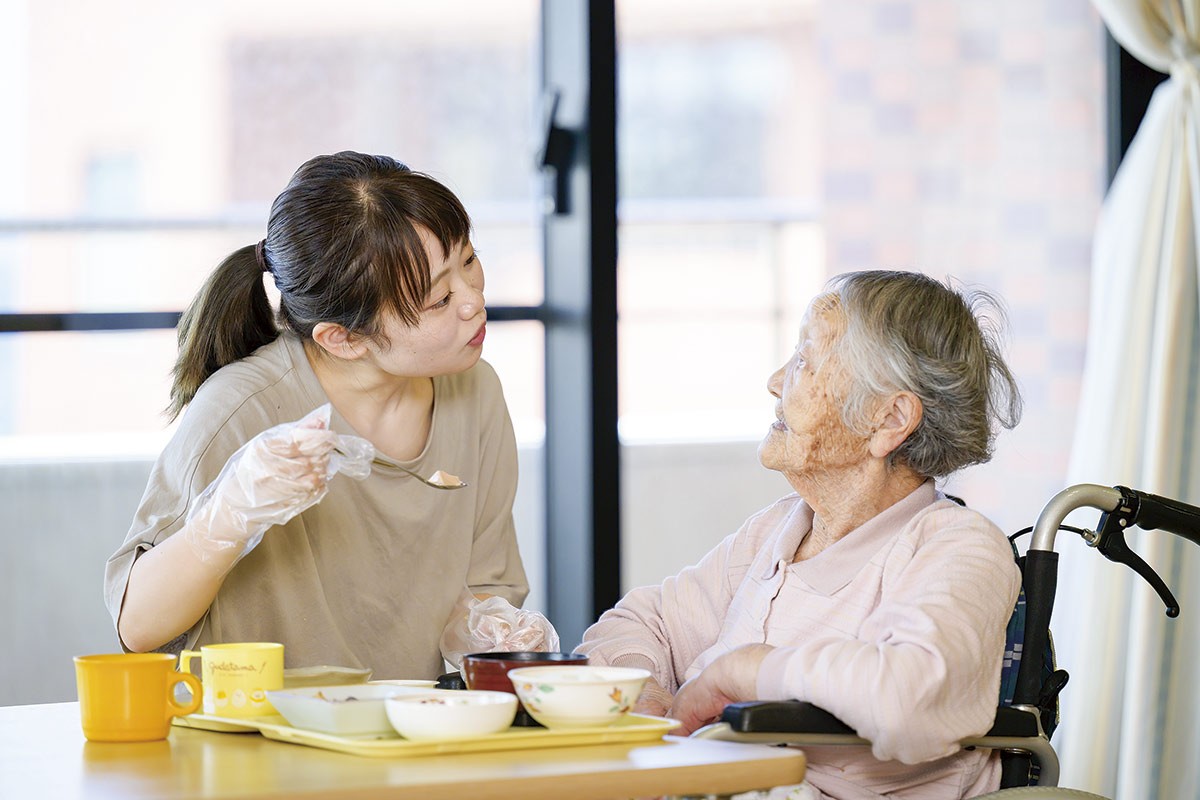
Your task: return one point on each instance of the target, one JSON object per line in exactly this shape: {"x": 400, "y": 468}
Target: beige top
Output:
{"x": 368, "y": 576}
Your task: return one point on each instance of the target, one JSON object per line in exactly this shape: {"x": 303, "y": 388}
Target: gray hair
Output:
{"x": 904, "y": 331}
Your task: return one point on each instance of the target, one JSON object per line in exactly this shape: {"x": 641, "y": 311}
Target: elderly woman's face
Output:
{"x": 809, "y": 437}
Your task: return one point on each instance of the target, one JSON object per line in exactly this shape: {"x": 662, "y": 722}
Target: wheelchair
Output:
{"x": 1030, "y": 683}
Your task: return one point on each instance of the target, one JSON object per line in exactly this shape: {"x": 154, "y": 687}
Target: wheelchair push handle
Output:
{"x": 1162, "y": 513}
{"x": 1122, "y": 508}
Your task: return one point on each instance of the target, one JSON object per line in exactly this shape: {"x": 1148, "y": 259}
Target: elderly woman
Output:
{"x": 867, "y": 592}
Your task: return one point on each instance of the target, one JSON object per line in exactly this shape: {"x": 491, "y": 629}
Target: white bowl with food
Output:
{"x": 578, "y": 696}
{"x": 347, "y": 710}
{"x": 451, "y": 715}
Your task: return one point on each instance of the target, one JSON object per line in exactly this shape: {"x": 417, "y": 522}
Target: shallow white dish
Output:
{"x": 296, "y": 677}
{"x": 578, "y": 696}
{"x": 449, "y": 715}
{"x": 413, "y": 682}
{"x": 348, "y": 710}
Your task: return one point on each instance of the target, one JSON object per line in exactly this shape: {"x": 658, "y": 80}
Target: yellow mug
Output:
{"x": 237, "y": 676}
{"x": 130, "y": 697}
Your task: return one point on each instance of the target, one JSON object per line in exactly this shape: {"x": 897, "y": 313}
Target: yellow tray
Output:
{"x": 630, "y": 728}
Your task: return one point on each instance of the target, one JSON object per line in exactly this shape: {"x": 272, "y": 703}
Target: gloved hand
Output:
{"x": 270, "y": 479}
{"x": 493, "y": 625}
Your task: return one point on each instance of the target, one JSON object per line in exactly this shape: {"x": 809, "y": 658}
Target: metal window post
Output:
{"x": 582, "y": 449}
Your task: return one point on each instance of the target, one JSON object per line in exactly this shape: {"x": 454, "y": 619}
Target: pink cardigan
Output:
{"x": 897, "y": 629}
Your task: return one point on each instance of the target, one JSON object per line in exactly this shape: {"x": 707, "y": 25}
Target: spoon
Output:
{"x": 438, "y": 480}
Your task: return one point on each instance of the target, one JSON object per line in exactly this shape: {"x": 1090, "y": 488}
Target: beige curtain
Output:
{"x": 1130, "y": 725}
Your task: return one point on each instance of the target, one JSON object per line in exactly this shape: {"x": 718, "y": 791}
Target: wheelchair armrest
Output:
{"x": 1016, "y": 730}
{"x": 783, "y": 716}
{"x": 1015, "y": 722}
{"x": 797, "y": 716}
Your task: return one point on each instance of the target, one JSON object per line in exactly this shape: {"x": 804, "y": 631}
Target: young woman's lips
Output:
{"x": 477, "y": 339}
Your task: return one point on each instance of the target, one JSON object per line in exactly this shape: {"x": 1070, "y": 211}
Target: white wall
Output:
{"x": 679, "y": 500}
{"x": 60, "y": 520}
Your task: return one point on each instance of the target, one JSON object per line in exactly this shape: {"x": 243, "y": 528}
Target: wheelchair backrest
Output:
{"x": 1013, "y": 647}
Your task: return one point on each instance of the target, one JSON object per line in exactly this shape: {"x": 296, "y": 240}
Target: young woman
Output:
{"x": 245, "y": 532}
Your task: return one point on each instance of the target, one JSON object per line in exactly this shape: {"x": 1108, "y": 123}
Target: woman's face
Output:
{"x": 448, "y": 338}
{"x": 809, "y": 438}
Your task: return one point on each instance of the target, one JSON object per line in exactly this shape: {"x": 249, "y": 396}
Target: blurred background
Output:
{"x": 762, "y": 146}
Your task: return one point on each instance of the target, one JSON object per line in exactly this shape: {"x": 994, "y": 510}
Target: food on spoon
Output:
{"x": 444, "y": 479}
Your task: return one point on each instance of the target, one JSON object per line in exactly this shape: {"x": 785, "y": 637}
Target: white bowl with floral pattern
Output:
{"x": 580, "y": 696}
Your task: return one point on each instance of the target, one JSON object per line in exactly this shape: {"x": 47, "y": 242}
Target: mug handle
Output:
{"x": 185, "y": 660}
{"x": 177, "y": 709}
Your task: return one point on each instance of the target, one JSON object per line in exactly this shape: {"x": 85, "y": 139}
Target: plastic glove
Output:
{"x": 494, "y": 625}
{"x": 270, "y": 479}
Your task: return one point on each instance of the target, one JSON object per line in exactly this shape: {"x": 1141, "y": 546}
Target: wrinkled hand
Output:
{"x": 273, "y": 477}
{"x": 654, "y": 700}
{"x": 730, "y": 678}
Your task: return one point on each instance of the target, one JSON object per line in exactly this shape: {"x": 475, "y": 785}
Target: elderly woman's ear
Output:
{"x": 897, "y": 417}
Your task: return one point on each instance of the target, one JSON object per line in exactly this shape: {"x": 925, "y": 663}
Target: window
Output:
{"x": 768, "y": 145}
{"x": 157, "y": 136}
{"x": 148, "y": 141}
{"x": 144, "y": 143}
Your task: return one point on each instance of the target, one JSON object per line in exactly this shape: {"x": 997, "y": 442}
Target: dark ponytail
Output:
{"x": 228, "y": 320}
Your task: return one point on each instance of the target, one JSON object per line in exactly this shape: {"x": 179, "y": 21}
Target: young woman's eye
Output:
{"x": 472, "y": 259}
{"x": 445, "y": 301}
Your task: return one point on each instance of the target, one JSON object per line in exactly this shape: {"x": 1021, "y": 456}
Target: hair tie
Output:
{"x": 260, "y": 255}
